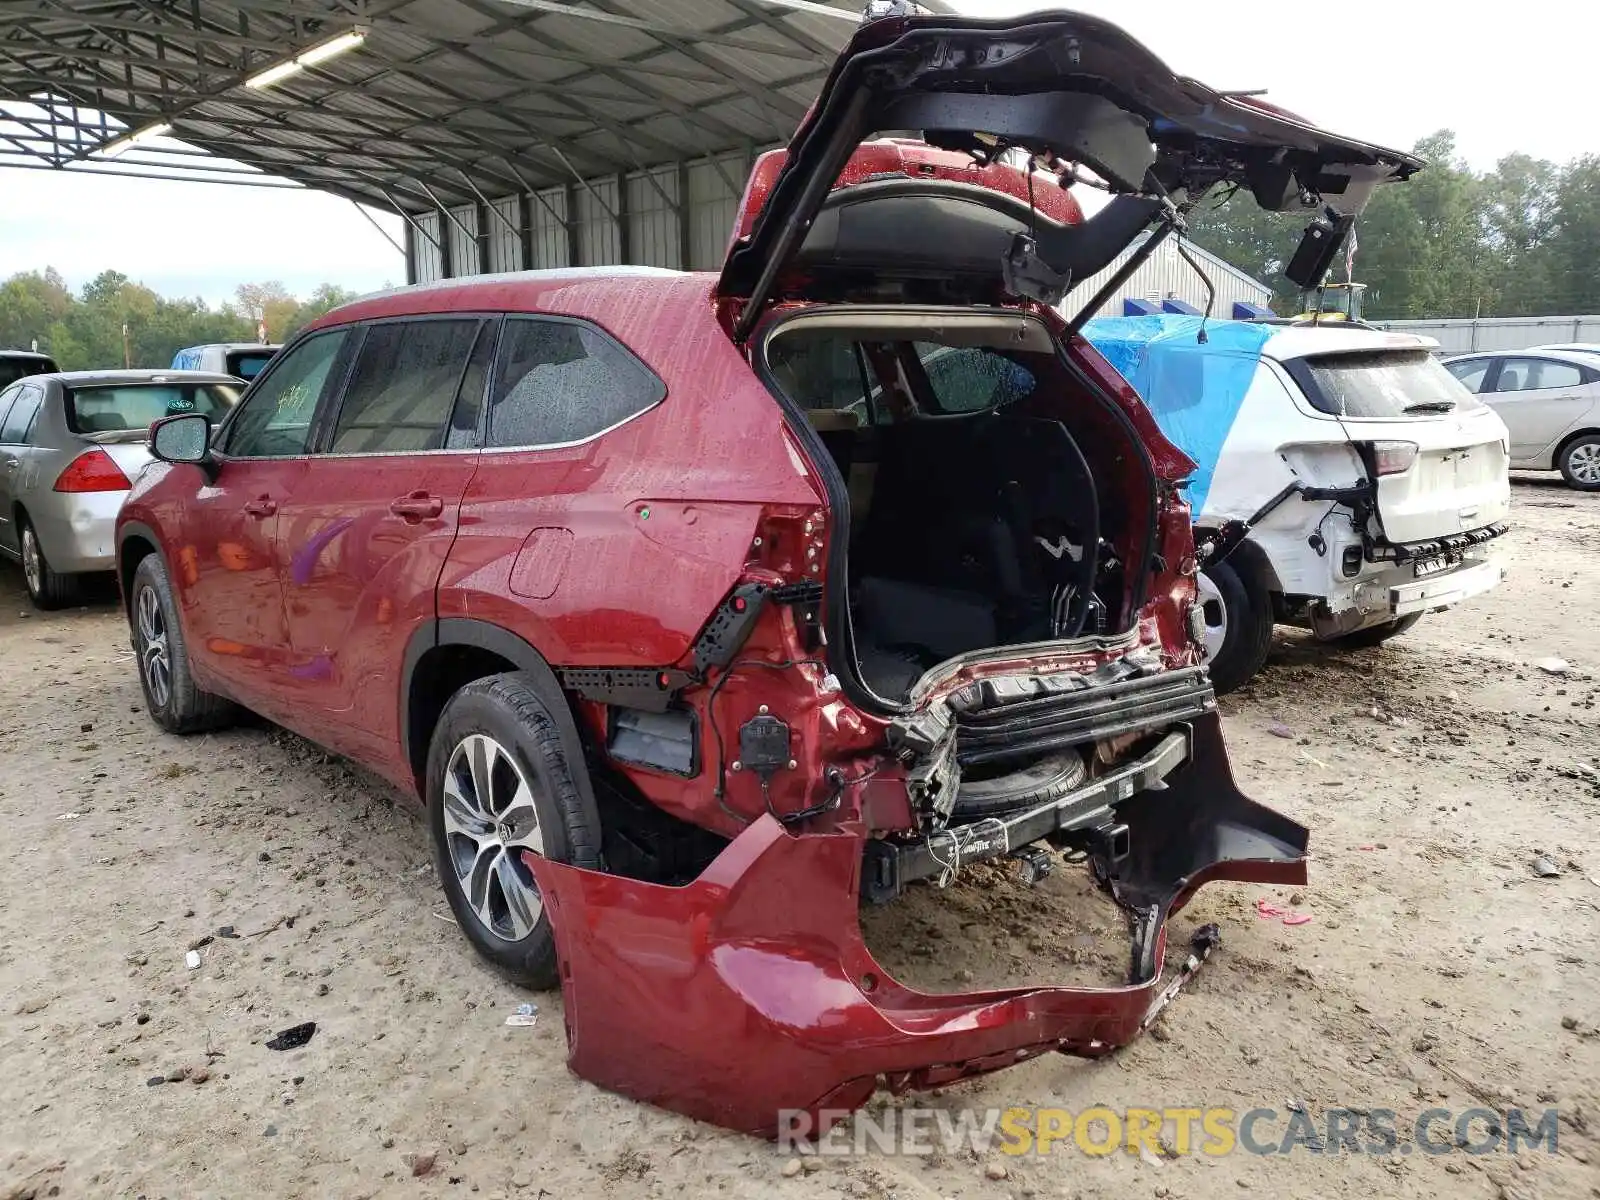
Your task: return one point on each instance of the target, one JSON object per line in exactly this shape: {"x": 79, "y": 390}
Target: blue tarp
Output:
{"x": 187, "y": 360}
{"x": 1194, "y": 390}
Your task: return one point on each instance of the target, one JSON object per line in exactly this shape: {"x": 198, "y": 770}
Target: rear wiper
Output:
{"x": 1428, "y": 406}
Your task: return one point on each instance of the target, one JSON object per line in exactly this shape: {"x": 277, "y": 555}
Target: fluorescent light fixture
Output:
{"x": 326, "y": 50}
{"x": 136, "y": 138}
{"x": 275, "y": 74}
{"x": 321, "y": 52}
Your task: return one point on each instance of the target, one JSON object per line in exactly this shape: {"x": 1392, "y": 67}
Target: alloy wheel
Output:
{"x": 1215, "y": 610}
{"x": 32, "y": 561}
{"x": 154, "y": 656}
{"x": 489, "y": 820}
{"x": 1583, "y": 461}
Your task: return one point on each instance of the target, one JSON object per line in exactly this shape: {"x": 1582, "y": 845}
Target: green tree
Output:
{"x": 1570, "y": 258}
{"x": 1451, "y": 242}
{"x": 85, "y": 331}
{"x": 325, "y": 298}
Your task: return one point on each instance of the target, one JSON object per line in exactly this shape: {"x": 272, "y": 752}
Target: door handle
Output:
{"x": 418, "y": 506}
{"x": 261, "y": 506}
{"x": 13, "y": 462}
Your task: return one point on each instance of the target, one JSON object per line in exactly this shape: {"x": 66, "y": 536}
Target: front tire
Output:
{"x": 175, "y": 702}
{"x": 1579, "y": 462}
{"x": 1375, "y": 635}
{"x": 499, "y": 783}
{"x": 1238, "y": 619}
{"x": 48, "y": 588}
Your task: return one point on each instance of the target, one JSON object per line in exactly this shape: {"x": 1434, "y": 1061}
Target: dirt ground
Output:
{"x": 1437, "y": 970}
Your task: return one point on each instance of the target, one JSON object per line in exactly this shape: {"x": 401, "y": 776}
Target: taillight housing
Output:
{"x": 92, "y": 471}
{"x": 1388, "y": 458}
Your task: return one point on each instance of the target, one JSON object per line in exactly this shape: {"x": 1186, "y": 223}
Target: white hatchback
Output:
{"x": 1345, "y": 481}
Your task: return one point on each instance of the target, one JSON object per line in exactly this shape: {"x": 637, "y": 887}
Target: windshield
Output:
{"x": 1382, "y": 383}
{"x": 113, "y": 407}
{"x": 13, "y": 369}
{"x": 247, "y": 364}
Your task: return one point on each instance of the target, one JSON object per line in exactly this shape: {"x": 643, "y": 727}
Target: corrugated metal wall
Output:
{"x": 1165, "y": 276}
{"x": 549, "y": 229}
{"x": 646, "y": 218}
{"x": 1460, "y": 336}
{"x": 643, "y": 217}
{"x": 654, "y": 239}
{"x": 505, "y": 236}
{"x": 463, "y": 231}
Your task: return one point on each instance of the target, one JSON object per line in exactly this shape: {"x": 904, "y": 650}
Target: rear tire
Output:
{"x": 1238, "y": 615}
{"x": 1579, "y": 462}
{"x": 499, "y": 782}
{"x": 175, "y": 702}
{"x": 47, "y": 587}
{"x": 1375, "y": 635}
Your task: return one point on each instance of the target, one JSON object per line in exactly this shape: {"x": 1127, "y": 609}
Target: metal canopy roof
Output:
{"x": 446, "y": 101}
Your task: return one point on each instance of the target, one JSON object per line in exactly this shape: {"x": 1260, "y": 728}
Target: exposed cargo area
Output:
{"x": 979, "y": 476}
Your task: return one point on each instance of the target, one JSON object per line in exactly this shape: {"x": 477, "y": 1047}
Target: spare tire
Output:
{"x": 1044, "y": 779}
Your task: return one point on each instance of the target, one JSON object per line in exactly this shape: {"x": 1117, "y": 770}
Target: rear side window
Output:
{"x": 114, "y": 407}
{"x": 275, "y": 420}
{"x": 247, "y": 364}
{"x": 563, "y": 381}
{"x": 1537, "y": 374}
{"x": 971, "y": 379}
{"x": 15, "y": 368}
{"x": 403, "y": 387}
{"x": 14, "y": 432}
{"x": 1381, "y": 383}
{"x": 1471, "y": 373}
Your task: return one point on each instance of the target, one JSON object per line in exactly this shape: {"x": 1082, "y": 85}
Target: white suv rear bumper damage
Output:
{"x": 1442, "y": 590}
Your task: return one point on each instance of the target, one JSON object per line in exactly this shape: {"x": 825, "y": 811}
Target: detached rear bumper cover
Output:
{"x": 750, "y": 991}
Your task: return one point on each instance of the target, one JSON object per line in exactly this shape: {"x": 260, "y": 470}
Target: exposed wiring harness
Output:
{"x": 951, "y": 867}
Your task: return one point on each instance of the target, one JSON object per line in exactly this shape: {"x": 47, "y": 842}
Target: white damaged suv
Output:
{"x": 1345, "y": 481}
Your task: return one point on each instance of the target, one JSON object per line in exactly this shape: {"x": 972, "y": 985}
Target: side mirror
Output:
{"x": 184, "y": 438}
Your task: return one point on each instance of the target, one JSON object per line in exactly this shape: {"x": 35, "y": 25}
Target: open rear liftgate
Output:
{"x": 750, "y": 991}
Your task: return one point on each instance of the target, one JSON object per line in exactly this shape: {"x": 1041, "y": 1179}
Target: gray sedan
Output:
{"x": 1550, "y": 402}
{"x": 71, "y": 443}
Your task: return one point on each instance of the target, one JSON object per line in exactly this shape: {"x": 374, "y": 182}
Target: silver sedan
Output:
{"x": 1550, "y": 402}
{"x": 71, "y": 443}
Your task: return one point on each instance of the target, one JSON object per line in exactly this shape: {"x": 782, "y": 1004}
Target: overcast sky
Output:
{"x": 1389, "y": 72}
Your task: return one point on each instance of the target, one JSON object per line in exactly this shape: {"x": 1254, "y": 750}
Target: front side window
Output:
{"x": 110, "y": 408}
{"x": 1381, "y": 383}
{"x": 275, "y": 420}
{"x": 403, "y": 387}
{"x": 14, "y": 432}
{"x": 561, "y": 381}
{"x": 1537, "y": 374}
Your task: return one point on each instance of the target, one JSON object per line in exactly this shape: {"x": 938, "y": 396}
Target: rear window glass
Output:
{"x": 560, "y": 382}
{"x": 247, "y": 364}
{"x": 13, "y": 369}
{"x": 111, "y": 408}
{"x": 1383, "y": 383}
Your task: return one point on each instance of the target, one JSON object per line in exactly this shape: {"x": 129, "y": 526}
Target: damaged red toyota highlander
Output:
{"x": 701, "y": 608}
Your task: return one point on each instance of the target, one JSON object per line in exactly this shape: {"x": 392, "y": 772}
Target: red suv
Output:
{"x": 698, "y": 608}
